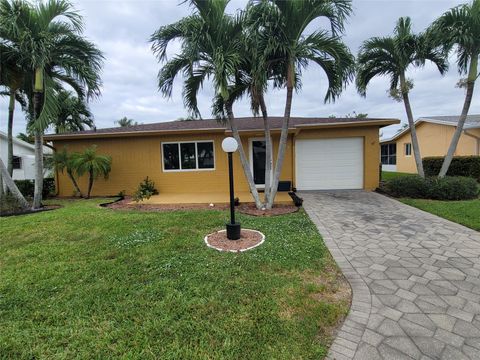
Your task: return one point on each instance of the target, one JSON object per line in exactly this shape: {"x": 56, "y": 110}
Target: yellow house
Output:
{"x": 185, "y": 158}
{"x": 434, "y": 136}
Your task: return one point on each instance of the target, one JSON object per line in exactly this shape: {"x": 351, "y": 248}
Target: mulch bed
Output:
{"x": 281, "y": 209}
{"x": 247, "y": 208}
{"x": 29, "y": 211}
{"x": 248, "y": 240}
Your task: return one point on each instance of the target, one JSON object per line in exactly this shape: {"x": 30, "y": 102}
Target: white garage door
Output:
{"x": 328, "y": 164}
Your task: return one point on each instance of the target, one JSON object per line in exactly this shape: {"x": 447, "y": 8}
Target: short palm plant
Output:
{"x": 392, "y": 57}
{"x": 90, "y": 163}
{"x": 459, "y": 29}
{"x": 62, "y": 161}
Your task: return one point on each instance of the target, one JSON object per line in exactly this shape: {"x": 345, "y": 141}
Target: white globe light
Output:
{"x": 229, "y": 145}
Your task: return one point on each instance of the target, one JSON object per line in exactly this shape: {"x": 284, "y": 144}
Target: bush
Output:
{"x": 447, "y": 188}
{"x": 468, "y": 166}
{"x": 27, "y": 187}
{"x": 145, "y": 190}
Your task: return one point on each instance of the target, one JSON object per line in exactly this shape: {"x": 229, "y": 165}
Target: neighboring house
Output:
{"x": 186, "y": 156}
{"x": 23, "y": 157}
{"x": 434, "y": 136}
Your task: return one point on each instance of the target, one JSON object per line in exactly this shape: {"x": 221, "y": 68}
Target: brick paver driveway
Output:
{"x": 415, "y": 278}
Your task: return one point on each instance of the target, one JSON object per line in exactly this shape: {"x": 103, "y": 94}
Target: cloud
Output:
{"x": 121, "y": 29}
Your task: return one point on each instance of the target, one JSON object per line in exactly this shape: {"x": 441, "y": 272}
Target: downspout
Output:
{"x": 475, "y": 137}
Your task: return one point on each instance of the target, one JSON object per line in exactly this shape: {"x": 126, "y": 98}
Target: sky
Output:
{"x": 121, "y": 29}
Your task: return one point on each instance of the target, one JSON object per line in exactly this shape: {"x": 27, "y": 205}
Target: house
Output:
{"x": 185, "y": 157}
{"x": 434, "y": 136}
{"x": 23, "y": 157}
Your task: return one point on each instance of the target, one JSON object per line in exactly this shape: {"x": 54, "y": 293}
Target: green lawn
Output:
{"x": 388, "y": 175}
{"x": 466, "y": 212}
{"x": 88, "y": 282}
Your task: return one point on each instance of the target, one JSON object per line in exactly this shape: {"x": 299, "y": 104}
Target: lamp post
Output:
{"x": 230, "y": 145}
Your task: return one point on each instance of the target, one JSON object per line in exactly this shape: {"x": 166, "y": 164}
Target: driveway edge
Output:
{"x": 350, "y": 334}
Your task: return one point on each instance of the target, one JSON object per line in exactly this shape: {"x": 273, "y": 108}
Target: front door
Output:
{"x": 258, "y": 162}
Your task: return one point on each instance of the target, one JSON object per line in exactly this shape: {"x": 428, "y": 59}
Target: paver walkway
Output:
{"x": 415, "y": 278}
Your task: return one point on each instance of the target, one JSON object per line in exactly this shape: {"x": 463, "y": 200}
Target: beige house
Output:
{"x": 434, "y": 137}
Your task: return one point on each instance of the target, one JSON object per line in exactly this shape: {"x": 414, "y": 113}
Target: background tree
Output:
{"x": 126, "y": 122}
{"x": 392, "y": 56}
{"x": 29, "y": 138}
{"x": 459, "y": 29}
{"x": 89, "y": 162}
{"x": 293, "y": 49}
{"x": 54, "y": 52}
{"x": 73, "y": 113}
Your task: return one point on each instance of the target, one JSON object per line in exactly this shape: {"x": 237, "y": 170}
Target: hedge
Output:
{"x": 447, "y": 188}
{"x": 468, "y": 166}
{"x": 27, "y": 187}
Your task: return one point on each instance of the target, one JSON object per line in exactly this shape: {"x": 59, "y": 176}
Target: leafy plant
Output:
{"x": 145, "y": 190}
{"x": 461, "y": 166}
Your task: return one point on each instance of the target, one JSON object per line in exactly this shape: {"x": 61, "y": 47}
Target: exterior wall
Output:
{"x": 134, "y": 158}
{"x": 27, "y": 172}
{"x": 371, "y": 161}
{"x": 434, "y": 140}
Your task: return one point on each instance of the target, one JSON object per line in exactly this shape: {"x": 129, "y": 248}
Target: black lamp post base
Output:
{"x": 233, "y": 231}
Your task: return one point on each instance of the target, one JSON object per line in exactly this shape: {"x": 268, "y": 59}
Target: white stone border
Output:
{"x": 235, "y": 251}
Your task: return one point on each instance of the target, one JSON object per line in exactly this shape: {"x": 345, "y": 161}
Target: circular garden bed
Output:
{"x": 249, "y": 239}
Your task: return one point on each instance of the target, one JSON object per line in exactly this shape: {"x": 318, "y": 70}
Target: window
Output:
{"x": 188, "y": 156}
{"x": 389, "y": 154}
{"x": 17, "y": 162}
{"x": 408, "y": 149}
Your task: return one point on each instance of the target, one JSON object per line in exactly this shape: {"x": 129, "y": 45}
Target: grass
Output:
{"x": 466, "y": 212}
{"x": 88, "y": 282}
{"x": 388, "y": 175}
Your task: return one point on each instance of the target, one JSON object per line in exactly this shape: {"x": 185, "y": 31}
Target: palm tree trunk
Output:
{"x": 11, "y": 109}
{"x": 11, "y": 186}
{"x": 268, "y": 151}
{"x": 411, "y": 123}
{"x": 283, "y": 136}
{"x": 37, "y": 107}
{"x": 74, "y": 182}
{"x": 243, "y": 157}
{"x": 472, "y": 76}
{"x": 90, "y": 183}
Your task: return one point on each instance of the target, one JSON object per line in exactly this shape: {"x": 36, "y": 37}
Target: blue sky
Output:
{"x": 121, "y": 30}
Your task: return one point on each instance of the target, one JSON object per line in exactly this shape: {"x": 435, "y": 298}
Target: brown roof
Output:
{"x": 243, "y": 124}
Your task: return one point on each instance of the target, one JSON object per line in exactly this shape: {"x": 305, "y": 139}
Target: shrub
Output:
{"x": 412, "y": 186}
{"x": 468, "y": 166}
{"x": 145, "y": 190}
{"x": 27, "y": 187}
{"x": 452, "y": 188}
{"x": 447, "y": 188}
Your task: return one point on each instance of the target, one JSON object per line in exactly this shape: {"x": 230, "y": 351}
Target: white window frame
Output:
{"x": 180, "y": 155}
{"x": 407, "y": 145}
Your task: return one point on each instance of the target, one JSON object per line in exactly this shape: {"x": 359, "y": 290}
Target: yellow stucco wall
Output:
{"x": 434, "y": 140}
{"x": 134, "y": 158}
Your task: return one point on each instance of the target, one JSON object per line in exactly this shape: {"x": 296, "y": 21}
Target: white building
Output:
{"x": 23, "y": 157}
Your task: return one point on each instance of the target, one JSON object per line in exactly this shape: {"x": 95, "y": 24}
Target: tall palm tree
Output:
{"x": 89, "y": 162}
{"x": 54, "y": 51}
{"x": 61, "y": 161}
{"x": 392, "y": 57}
{"x": 459, "y": 29}
{"x": 73, "y": 113}
{"x": 212, "y": 44}
{"x": 287, "y": 40}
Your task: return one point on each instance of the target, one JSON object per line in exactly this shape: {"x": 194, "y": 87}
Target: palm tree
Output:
{"x": 293, "y": 49}
{"x": 73, "y": 113}
{"x": 392, "y": 56}
{"x": 126, "y": 122}
{"x": 49, "y": 36}
{"x": 89, "y": 162}
{"x": 459, "y": 28}
{"x": 11, "y": 186}
{"x": 61, "y": 161}
{"x": 212, "y": 44}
